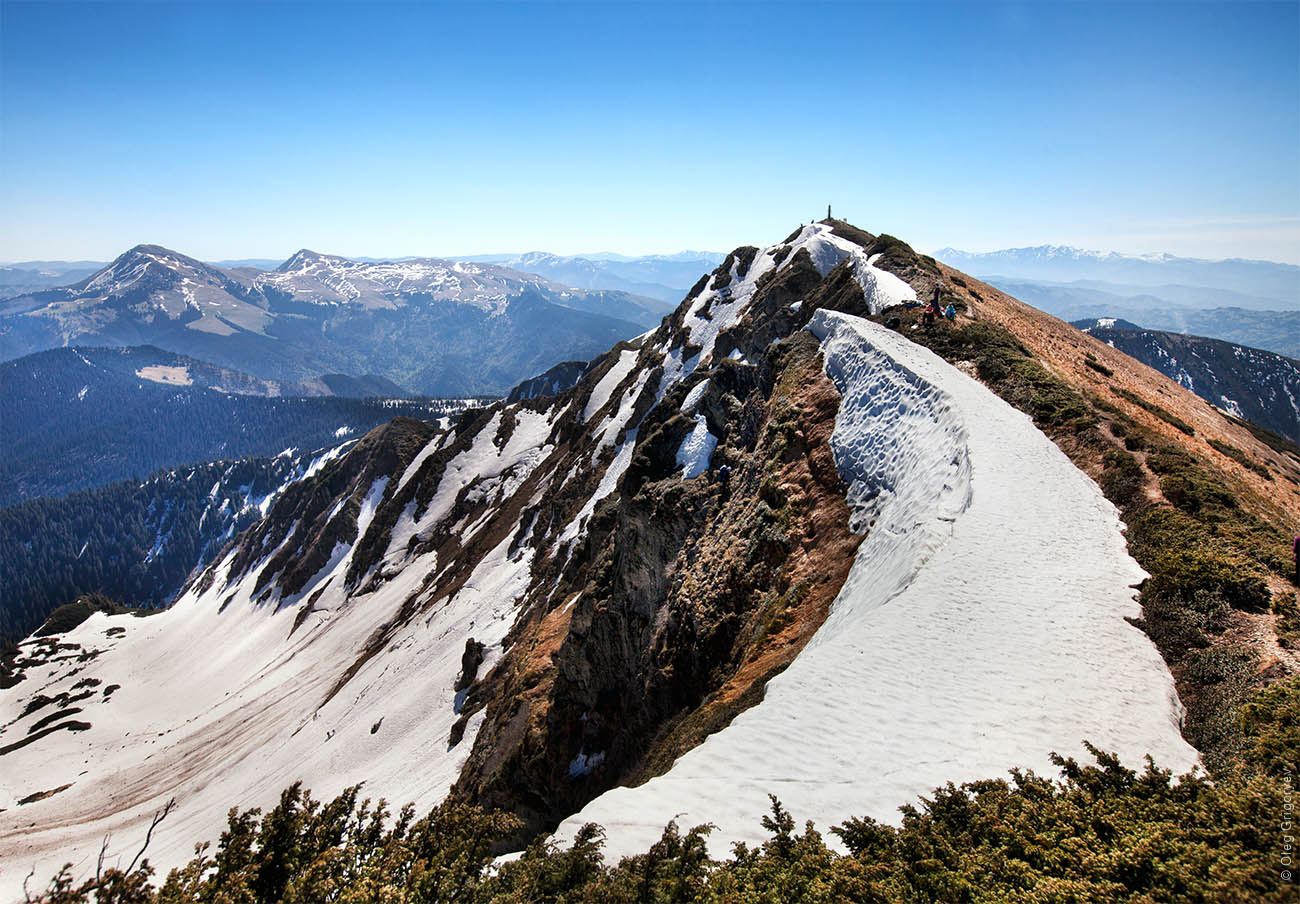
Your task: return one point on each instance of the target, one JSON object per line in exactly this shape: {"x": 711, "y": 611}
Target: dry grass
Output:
{"x": 1065, "y": 350}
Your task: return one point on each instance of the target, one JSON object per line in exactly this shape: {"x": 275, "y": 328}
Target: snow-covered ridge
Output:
{"x": 332, "y": 280}
{"x": 976, "y": 631}
{"x": 981, "y": 628}
{"x": 715, "y": 310}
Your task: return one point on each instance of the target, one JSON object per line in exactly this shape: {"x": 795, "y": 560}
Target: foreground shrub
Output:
{"x": 1100, "y": 833}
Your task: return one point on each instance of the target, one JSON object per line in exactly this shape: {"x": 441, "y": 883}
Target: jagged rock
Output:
{"x": 470, "y": 660}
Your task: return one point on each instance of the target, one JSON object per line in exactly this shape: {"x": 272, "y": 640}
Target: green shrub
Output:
{"x": 1121, "y": 479}
{"x": 1096, "y": 365}
{"x": 1241, "y": 458}
{"x": 1270, "y": 724}
{"x": 1183, "y": 557}
{"x": 1100, "y": 833}
{"x": 1167, "y": 416}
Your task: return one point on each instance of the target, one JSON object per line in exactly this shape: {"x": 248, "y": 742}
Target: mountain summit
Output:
{"x": 786, "y": 542}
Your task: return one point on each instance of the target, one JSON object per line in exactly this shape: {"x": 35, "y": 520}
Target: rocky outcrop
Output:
{"x": 690, "y": 595}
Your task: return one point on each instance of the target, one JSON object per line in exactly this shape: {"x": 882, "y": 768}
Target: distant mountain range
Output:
{"x": 1276, "y": 331}
{"x": 1253, "y": 284}
{"x": 667, "y": 277}
{"x": 662, "y": 276}
{"x": 1251, "y": 303}
{"x": 1248, "y": 383}
{"x": 33, "y": 277}
{"x": 436, "y": 327}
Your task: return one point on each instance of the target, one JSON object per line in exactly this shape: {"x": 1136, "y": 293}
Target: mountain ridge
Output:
{"x": 626, "y": 607}
{"x": 325, "y": 314}
{"x": 1257, "y": 385}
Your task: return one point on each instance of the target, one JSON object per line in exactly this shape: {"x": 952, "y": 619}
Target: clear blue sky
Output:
{"x": 247, "y": 130}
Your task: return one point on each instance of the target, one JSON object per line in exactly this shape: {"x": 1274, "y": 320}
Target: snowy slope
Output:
{"x": 224, "y": 701}
{"x": 326, "y": 645}
{"x": 245, "y": 716}
{"x": 981, "y": 627}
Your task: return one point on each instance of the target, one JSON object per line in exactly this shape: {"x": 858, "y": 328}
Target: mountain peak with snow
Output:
{"x": 300, "y": 260}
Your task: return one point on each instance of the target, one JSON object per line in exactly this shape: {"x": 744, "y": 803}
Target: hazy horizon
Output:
{"x": 590, "y": 255}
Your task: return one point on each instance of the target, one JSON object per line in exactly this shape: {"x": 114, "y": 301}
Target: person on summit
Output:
{"x": 724, "y": 478}
{"x": 950, "y": 312}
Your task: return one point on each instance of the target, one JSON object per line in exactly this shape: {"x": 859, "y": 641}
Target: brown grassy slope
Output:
{"x": 1064, "y": 349}
{"x": 1214, "y": 529}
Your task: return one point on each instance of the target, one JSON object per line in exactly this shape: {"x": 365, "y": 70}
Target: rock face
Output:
{"x": 555, "y": 381}
{"x": 688, "y": 595}
{"x": 546, "y": 598}
{"x": 1249, "y": 383}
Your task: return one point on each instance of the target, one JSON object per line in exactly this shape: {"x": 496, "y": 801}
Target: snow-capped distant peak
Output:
{"x": 142, "y": 260}
{"x": 296, "y": 261}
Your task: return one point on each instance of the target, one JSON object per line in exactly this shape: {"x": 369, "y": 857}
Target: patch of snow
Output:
{"x": 608, "y": 482}
{"x": 170, "y": 376}
{"x": 582, "y": 764}
{"x": 696, "y": 450}
{"x": 613, "y": 377}
{"x": 1232, "y": 407}
{"x": 693, "y": 397}
{"x": 325, "y": 458}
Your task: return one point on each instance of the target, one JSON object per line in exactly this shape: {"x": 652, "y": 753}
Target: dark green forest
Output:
{"x": 132, "y": 541}
{"x": 70, "y": 423}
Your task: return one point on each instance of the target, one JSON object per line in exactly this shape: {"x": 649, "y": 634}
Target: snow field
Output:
{"x": 224, "y": 703}
{"x": 981, "y": 628}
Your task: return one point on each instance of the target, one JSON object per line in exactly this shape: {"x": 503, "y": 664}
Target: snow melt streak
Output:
{"x": 980, "y": 628}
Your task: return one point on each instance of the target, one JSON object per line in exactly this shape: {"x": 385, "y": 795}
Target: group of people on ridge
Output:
{"x": 933, "y": 312}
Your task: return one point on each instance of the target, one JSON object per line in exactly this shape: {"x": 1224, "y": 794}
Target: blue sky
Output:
{"x": 249, "y": 130}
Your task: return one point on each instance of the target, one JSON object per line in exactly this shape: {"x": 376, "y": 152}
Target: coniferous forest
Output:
{"x": 70, "y": 423}
{"x": 135, "y": 542}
